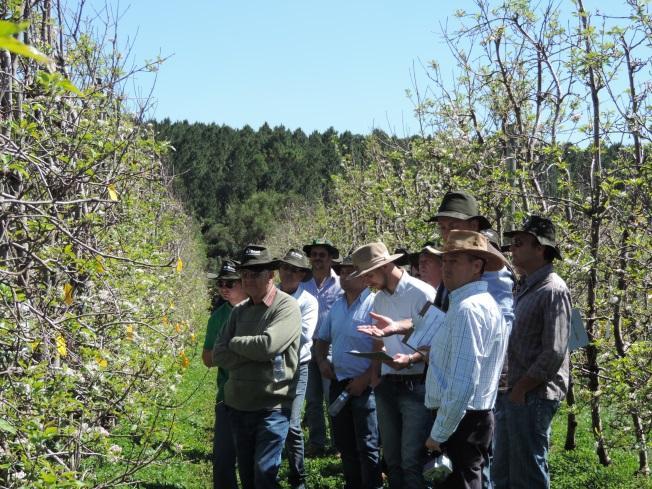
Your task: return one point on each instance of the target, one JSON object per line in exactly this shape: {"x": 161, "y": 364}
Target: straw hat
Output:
{"x": 371, "y": 256}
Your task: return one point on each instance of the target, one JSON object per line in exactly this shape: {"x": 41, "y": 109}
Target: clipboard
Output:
{"x": 372, "y": 355}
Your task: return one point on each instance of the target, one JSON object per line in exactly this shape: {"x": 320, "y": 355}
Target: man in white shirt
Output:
{"x": 402, "y": 417}
{"x": 293, "y": 269}
{"x": 466, "y": 357}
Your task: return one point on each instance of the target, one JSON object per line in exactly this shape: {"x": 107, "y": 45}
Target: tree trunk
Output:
{"x": 571, "y": 421}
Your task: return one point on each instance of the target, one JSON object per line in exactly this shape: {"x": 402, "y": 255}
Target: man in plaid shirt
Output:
{"x": 466, "y": 357}
{"x": 538, "y": 361}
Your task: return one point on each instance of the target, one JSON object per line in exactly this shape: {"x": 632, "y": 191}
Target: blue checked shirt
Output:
{"x": 326, "y": 295}
{"x": 341, "y": 330}
{"x": 466, "y": 356}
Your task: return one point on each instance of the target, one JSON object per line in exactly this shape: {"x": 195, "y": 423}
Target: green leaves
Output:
{"x": 10, "y": 43}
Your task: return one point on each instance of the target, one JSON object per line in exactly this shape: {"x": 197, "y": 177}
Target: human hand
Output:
{"x": 433, "y": 446}
{"x": 326, "y": 369}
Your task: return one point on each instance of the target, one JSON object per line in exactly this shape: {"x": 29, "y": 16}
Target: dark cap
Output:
{"x": 324, "y": 243}
{"x": 296, "y": 258}
{"x": 459, "y": 204}
{"x": 257, "y": 256}
{"x": 542, "y": 229}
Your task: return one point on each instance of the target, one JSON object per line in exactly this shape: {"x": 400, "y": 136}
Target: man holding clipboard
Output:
{"x": 403, "y": 419}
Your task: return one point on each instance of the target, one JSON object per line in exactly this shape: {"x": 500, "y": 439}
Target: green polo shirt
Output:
{"x": 216, "y": 323}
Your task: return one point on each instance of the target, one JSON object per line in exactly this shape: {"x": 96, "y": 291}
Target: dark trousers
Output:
{"x": 468, "y": 448}
{"x": 223, "y": 451}
{"x": 356, "y": 437}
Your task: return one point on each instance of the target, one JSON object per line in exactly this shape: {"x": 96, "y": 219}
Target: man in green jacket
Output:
{"x": 259, "y": 347}
{"x": 230, "y": 289}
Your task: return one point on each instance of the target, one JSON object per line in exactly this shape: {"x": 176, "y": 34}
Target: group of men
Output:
{"x": 467, "y": 356}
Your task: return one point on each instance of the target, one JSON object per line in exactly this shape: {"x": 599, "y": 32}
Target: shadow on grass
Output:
{"x": 197, "y": 455}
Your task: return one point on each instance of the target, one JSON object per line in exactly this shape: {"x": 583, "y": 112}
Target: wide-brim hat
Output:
{"x": 475, "y": 244}
{"x": 228, "y": 270}
{"x": 324, "y": 243}
{"x": 257, "y": 256}
{"x": 371, "y": 256}
{"x": 459, "y": 204}
{"x": 296, "y": 258}
{"x": 542, "y": 228}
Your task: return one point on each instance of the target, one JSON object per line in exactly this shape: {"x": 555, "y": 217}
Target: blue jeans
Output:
{"x": 521, "y": 442}
{"x": 259, "y": 439}
{"x": 294, "y": 441}
{"x": 356, "y": 437}
{"x": 405, "y": 425}
{"x": 223, "y": 451}
{"x": 316, "y": 393}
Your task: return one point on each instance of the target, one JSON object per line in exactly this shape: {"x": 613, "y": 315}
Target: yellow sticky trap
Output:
{"x": 130, "y": 332}
{"x": 177, "y": 327}
{"x": 101, "y": 362}
{"x": 61, "y": 346}
{"x": 67, "y": 293}
{"x": 113, "y": 194}
{"x": 179, "y": 265}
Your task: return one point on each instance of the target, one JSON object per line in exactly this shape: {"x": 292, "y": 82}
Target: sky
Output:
{"x": 301, "y": 64}
{"x": 297, "y": 63}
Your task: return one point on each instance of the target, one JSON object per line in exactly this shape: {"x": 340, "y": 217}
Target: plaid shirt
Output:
{"x": 466, "y": 356}
{"x": 538, "y": 344}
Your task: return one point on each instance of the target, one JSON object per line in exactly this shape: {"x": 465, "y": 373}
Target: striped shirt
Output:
{"x": 538, "y": 345}
{"x": 466, "y": 356}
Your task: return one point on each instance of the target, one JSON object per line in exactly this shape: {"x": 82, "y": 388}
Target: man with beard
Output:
{"x": 403, "y": 419}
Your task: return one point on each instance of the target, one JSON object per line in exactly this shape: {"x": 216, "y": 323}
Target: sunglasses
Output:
{"x": 229, "y": 284}
{"x": 318, "y": 254}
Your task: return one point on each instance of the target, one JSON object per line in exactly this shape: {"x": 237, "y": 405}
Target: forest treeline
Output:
{"x": 235, "y": 181}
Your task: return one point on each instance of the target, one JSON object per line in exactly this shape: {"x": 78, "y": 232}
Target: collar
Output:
{"x": 467, "y": 290}
{"x": 537, "y": 276}
{"x": 358, "y": 300}
{"x": 327, "y": 281}
{"x": 269, "y": 297}
{"x": 401, "y": 284}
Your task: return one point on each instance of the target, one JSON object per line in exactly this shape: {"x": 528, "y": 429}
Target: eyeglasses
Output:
{"x": 229, "y": 284}
{"x": 290, "y": 268}
{"x": 251, "y": 274}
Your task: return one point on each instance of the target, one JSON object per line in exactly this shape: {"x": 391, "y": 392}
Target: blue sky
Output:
{"x": 302, "y": 64}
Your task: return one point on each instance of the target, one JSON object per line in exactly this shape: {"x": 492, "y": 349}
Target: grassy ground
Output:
{"x": 190, "y": 465}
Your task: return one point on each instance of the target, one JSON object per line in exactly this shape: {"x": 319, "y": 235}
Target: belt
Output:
{"x": 404, "y": 379}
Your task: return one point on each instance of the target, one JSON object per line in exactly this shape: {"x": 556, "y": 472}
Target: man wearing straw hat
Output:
{"x": 293, "y": 269}
{"x": 402, "y": 417}
{"x": 259, "y": 346}
{"x": 466, "y": 358}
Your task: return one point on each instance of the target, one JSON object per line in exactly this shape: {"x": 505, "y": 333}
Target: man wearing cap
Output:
{"x": 259, "y": 346}
{"x": 355, "y": 426}
{"x": 325, "y": 287}
{"x": 466, "y": 358}
{"x": 430, "y": 265}
{"x": 293, "y": 270}
{"x": 538, "y": 359}
{"x": 230, "y": 289}
{"x": 402, "y": 416}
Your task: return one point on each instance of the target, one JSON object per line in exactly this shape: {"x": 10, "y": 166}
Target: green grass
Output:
{"x": 189, "y": 465}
